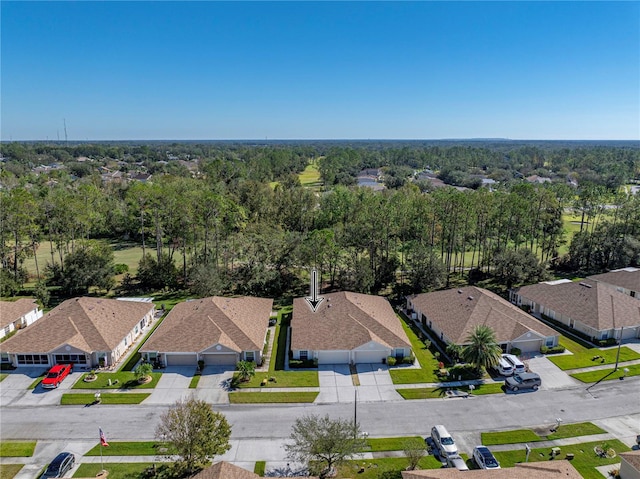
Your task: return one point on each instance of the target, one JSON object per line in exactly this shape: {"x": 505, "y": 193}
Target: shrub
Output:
{"x": 120, "y": 268}
{"x": 606, "y": 342}
{"x": 553, "y": 350}
{"x": 306, "y": 363}
{"x": 409, "y": 359}
{"x": 391, "y": 361}
{"x": 516, "y": 351}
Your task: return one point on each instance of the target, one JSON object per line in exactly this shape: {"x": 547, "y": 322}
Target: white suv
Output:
{"x": 443, "y": 441}
{"x": 484, "y": 459}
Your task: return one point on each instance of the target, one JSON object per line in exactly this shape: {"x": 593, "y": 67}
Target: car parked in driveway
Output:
{"x": 55, "y": 375}
{"x": 523, "y": 381}
{"x": 457, "y": 462}
{"x": 443, "y": 441}
{"x": 62, "y": 464}
{"x": 484, "y": 458}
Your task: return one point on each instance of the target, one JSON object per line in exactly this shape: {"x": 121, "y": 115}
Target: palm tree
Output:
{"x": 482, "y": 350}
{"x": 246, "y": 370}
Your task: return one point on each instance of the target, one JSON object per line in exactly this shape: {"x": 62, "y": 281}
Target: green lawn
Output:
{"x": 149, "y": 448}
{"x": 284, "y": 379}
{"x": 259, "y": 467}
{"x": 383, "y": 467}
{"x": 3, "y": 376}
{"x": 279, "y": 351}
{"x": 585, "y": 460}
{"x": 271, "y": 397}
{"x": 584, "y": 358}
{"x": 310, "y": 176}
{"x": 130, "y": 470}
{"x": 527, "y": 435}
{"x": 17, "y": 448}
{"x": 433, "y": 393}
{"x": 194, "y": 381}
{"x": 106, "y": 398}
{"x": 593, "y": 376}
{"x": 8, "y": 471}
{"x": 125, "y": 380}
{"x": 390, "y": 443}
{"x": 428, "y": 363}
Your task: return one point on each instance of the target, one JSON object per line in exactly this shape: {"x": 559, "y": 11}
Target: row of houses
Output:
{"x": 345, "y": 328}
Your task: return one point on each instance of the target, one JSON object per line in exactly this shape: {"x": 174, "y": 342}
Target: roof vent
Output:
{"x": 469, "y": 297}
{"x": 586, "y": 285}
{"x": 459, "y": 291}
{"x": 328, "y": 305}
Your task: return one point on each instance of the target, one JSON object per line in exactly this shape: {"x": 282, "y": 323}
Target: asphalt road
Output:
{"x": 493, "y": 412}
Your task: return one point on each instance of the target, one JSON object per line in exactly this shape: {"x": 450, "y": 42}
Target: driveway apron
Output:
{"x": 172, "y": 386}
{"x": 214, "y": 385}
{"x": 376, "y": 384}
{"x": 552, "y": 376}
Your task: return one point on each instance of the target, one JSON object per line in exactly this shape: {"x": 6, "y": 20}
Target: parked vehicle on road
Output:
{"x": 518, "y": 366}
{"x": 443, "y": 441}
{"x": 55, "y": 375}
{"x": 484, "y": 458}
{"x": 59, "y": 466}
{"x": 455, "y": 461}
{"x": 523, "y": 381}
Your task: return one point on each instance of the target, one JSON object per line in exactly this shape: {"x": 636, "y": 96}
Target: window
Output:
{"x": 605, "y": 335}
{"x": 633, "y": 294}
{"x": 33, "y": 359}
{"x": 304, "y": 355}
{"x": 7, "y": 330}
{"x": 549, "y": 342}
{"x": 399, "y": 352}
{"x": 4, "y": 357}
{"x": 70, "y": 358}
{"x": 249, "y": 356}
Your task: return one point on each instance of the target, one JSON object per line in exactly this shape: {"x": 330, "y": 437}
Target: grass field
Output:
{"x": 271, "y": 397}
{"x": 310, "y": 177}
{"x": 107, "y": 398}
{"x": 17, "y": 448}
{"x": 8, "y": 471}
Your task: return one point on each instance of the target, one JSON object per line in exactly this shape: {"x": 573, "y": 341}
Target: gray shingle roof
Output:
{"x": 237, "y": 323}
{"x": 594, "y": 304}
{"x": 625, "y": 278}
{"x": 344, "y": 321}
{"x": 90, "y": 324}
{"x": 458, "y": 311}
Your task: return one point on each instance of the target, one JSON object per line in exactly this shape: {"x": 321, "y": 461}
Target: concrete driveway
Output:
{"x": 173, "y": 385}
{"x": 552, "y": 376}
{"x": 14, "y": 389}
{"x": 375, "y": 383}
{"x": 214, "y": 385}
{"x": 336, "y": 385}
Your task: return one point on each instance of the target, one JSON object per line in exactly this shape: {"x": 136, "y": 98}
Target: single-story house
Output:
{"x": 630, "y": 465}
{"x": 83, "y": 331}
{"x": 347, "y": 328}
{"x": 219, "y": 331}
{"x": 453, "y": 314}
{"x": 18, "y": 314}
{"x": 588, "y": 306}
{"x": 226, "y": 470}
{"x": 559, "y": 469}
{"x": 625, "y": 280}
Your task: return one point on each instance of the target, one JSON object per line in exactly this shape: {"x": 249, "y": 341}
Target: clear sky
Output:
{"x": 326, "y": 70}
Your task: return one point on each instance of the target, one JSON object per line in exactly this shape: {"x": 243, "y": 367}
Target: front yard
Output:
{"x": 583, "y": 357}
{"x": 106, "y": 398}
{"x": 610, "y": 373}
{"x": 272, "y": 397}
{"x": 427, "y": 373}
{"x": 529, "y": 435}
{"x": 17, "y": 448}
{"x": 119, "y": 380}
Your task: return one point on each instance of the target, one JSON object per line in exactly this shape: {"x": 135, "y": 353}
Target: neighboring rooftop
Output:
{"x": 627, "y": 278}
{"x": 12, "y": 310}
{"x": 226, "y": 470}
{"x": 344, "y": 321}
{"x": 560, "y": 469}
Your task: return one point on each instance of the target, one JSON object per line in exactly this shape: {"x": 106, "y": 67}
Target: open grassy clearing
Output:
{"x": 124, "y": 448}
{"x": 130, "y": 470}
{"x": 592, "y": 357}
{"x": 390, "y": 443}
{"x": 435, "y": 393}
{"x": 8, "y": 471}
{"x": 272, "y": 397}
{"x": 593, "y": 376}
{"x": 585, "y": 460}
{"x": 17, "y": 448}
{"x": 528, "y": 435}
{"x": 108, "y": 398}
{"x": 119, "y": 380}
{"x": 310, "y": 176}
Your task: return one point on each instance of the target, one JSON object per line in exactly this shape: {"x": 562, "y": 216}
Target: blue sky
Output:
{"x": 327, "y": 70}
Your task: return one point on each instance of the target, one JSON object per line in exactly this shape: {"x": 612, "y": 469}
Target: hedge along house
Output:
{"x": 82, "y": 331}
{"x": 347, "y": 328}
{"x": 219, "y": 331}
{"x": 591, "y": 308}
{"x": 453, "y": 314}
{"x": 18, "y": 314}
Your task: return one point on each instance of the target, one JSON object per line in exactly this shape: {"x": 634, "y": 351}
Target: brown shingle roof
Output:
{"x": 226, "y": 470}
{"x": 237, "y": 323}
{"x": 530, "y": 470}
{"x": 458, "y": 311}
{"x": 344, "y": 321}
{"x": 10, "y": 311}
{"x": 633, "y": 458}
{"x": 90, "y": 324}
{"x": 590, "y": 302}
{"x": 625, "y": 278}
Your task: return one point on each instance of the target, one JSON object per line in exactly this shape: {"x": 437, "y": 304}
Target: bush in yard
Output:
{"x": 516, "y": 351}
{"x": 391, "y": 361}
{"x": 246, "y": 370}
{"x": 553, "y": 350}
{"x": 143, "y": 371}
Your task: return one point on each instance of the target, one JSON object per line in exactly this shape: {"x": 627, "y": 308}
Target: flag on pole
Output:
{"x": 103, "y": 439}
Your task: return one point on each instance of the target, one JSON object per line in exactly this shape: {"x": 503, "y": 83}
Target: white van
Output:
{"x": 518, "y": 366}
{"x": 504, "y": 367}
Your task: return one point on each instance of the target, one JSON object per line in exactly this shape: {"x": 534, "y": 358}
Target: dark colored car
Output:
{"x": 55, "y": 375}
{"x": 523, "y": 381}
{"x": 59, "y": 466}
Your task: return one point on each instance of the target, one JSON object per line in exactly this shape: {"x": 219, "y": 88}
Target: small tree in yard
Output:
{"x": 482, "y": 351}
{"x": 323, "y": 442}
{"x": 246, "y": 370}
{"x": 414, "y": 450}
{"x": 143, "y": 371}
{"x": 195, "y": 432}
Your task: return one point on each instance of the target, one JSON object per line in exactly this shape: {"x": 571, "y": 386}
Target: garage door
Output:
{"x": 181, "y": 360}
{"x": 333, "y": 357}
{"x": 225, "y": 359}
{"x": 531, "y": 346}
{"x": 630, "y": 333}
{"x": 370, "y": 356}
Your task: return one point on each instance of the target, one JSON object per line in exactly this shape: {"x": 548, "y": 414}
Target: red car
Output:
{"x": 55, "y": 375}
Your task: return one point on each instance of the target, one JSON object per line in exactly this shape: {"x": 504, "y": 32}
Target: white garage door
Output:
{"x": 333, "y": 357}
{"x": 630, "y": 333}
{"x": 226, "y": 359}
{"x": 531, "y": 346}
{"x": 181, "y": 360}
{"x": 370, "y": 356}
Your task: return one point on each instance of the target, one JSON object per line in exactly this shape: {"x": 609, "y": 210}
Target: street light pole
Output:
{"x": 618, "y": 353}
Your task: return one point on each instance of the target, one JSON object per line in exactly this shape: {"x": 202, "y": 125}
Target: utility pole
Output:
{"x": 619, "y": 345}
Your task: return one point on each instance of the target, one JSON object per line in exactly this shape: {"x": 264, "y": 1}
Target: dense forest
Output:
{"x": 235, "y": 218}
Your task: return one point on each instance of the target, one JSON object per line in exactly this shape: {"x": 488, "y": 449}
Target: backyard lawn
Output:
{"x": 585, "y": 459}
{"x": 17, "y": 448}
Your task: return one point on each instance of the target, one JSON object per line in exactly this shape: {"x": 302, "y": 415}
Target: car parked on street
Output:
{"x": 484, "y": 458}
{"x": 523, "y": 381}
{"x": 55, "y": 375}
{"x": 62, "y": 464}
{"x": 443, "y": 441}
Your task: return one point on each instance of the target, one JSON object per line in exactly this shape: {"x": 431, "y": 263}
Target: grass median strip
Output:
{"x": 271, "y": 397}
{"x": 17, "y": 448}
{"x": 9, "y": 471}
{"x": 593, "y": 376}
{"x": 529, "y": 435}
{"x": 194, "y": 381}
{"x": 389, "y": 443}
{"x": 125, "y": 448}
{"x": 107, "y": 398}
